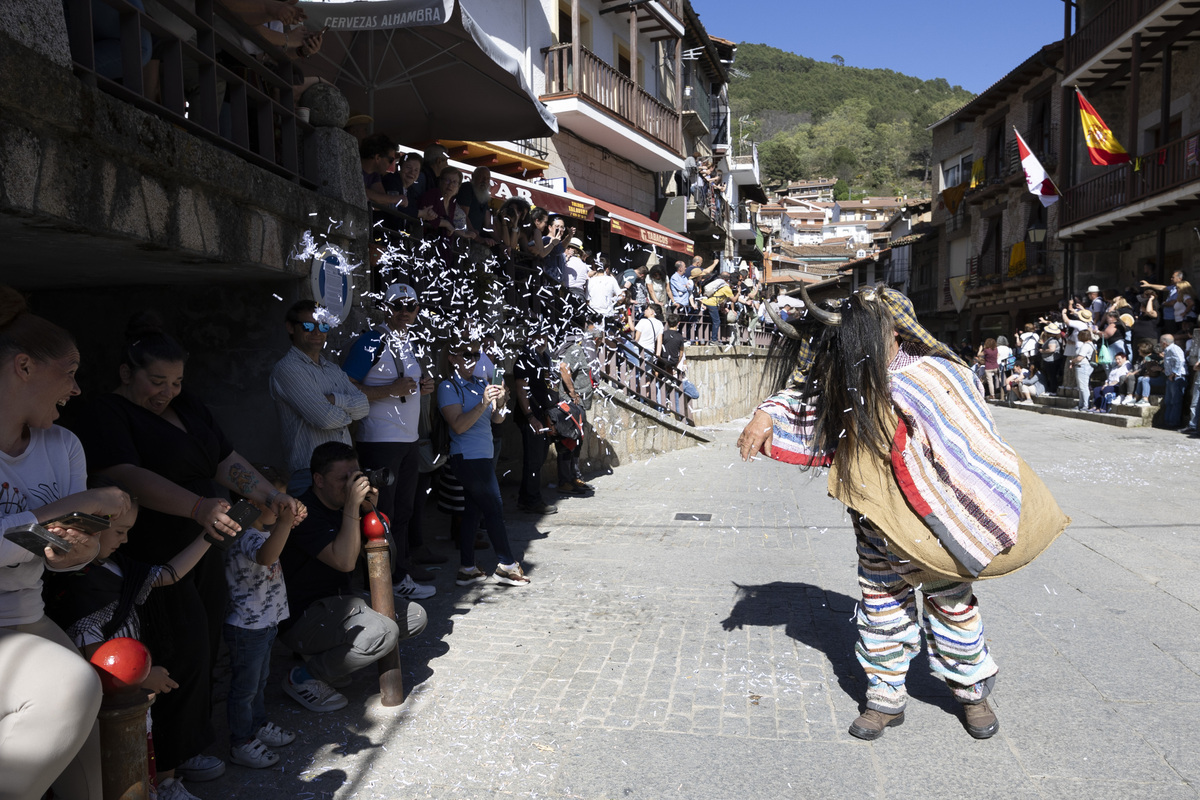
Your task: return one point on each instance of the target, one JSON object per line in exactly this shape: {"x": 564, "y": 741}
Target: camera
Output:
{"x": 379, "y": 478}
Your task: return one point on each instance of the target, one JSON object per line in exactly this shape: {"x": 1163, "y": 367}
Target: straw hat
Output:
{"x": 1126, "y": 320}
{"x": 1085, "y": 315}
{"x": 1054, "y": 329}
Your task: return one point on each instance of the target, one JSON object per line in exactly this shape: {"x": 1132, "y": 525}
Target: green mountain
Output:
{"x": 815, "y": 118}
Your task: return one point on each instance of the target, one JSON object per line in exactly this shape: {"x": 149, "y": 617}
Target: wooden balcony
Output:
{"x": 1105, "y": 28}
{"x": 611, "y": 92}
{"x": 1162, "y": 171}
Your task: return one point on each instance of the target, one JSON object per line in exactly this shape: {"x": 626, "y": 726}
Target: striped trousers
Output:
{"x": 889, "y": 631}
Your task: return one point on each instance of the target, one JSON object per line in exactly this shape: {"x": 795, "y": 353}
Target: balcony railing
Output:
{"x": 1103, "y": 29}
{"x": 607, "y": 88}
{"x": 1160, "y": 171}
{"x": 236, "y": 101}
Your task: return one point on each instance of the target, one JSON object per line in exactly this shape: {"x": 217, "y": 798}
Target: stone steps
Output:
{"x": 1066, "y": 406}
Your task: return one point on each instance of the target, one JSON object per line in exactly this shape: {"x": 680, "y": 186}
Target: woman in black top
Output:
{"x": 165, "y": 448}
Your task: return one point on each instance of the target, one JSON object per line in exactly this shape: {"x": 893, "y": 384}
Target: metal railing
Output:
{"x": 635, "y": 370}
{"x": 1102, "y": 30}
{"x": 539, "y": 148}
{"x": 1158, "y": 172}
{"x": 209, "y": 85}
{"x": 602, "y": 84}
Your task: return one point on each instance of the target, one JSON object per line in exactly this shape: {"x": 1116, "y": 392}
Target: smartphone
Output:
{"x": 244, "y": 514}
{"x": 35, "y": 539}
{"x": 77, "y": 520}
{"x": 498, "y": 376}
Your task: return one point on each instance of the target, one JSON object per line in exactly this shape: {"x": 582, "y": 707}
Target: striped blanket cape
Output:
{"x": 952, "y": 466}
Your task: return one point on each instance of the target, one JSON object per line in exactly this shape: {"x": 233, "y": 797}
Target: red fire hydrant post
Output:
{"x": 123, "y": 664}
{"x": 379, "y": 573}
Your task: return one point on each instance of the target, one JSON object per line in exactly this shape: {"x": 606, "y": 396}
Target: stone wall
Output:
{"x": 595, "y": 171}
{"x": 94, "y": 191}
{"x": 623, "y": 429}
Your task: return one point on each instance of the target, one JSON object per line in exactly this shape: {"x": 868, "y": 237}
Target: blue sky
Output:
{"x": 972, "y": 43}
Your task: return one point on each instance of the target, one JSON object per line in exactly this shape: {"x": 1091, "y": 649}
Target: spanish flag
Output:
{"x": 1101, "y": 144}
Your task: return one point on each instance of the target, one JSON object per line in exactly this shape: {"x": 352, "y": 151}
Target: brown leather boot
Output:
{"x": 981, "y": 720}
{"x": 871, "y": 724}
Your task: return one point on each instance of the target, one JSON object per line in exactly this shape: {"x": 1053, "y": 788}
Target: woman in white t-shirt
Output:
{"x": 649, "y": 330}
{"x": 54, "y": 738}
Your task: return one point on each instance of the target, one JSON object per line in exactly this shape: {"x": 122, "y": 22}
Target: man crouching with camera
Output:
{"x": 330, "y": 624}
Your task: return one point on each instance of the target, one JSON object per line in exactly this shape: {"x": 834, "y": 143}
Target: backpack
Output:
{"x": 714, "y": 286}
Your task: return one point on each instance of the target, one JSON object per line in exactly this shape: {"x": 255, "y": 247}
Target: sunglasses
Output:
{"x": 405, "y": 306}
{"x": 309, "y": 327}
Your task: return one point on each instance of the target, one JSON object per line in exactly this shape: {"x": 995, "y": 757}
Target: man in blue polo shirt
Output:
{"x": 382, "y": 365}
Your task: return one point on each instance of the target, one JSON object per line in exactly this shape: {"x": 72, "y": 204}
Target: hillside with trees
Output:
{"x": 811, "y": 118}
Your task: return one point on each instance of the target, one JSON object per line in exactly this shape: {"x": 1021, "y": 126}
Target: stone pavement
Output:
{"x": 655, "y": 658}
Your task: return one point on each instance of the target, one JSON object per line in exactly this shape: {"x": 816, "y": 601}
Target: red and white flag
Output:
{"x": 1035, "y": 174}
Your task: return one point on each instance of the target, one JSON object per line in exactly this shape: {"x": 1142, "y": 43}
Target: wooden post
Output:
{"x": 1135, "y": 91}
{"x": 679, "y": 100}
{"x": 379, "y": 573}
{"x": 633, "y": 49}
{"x": 577, "y": 79}
{"x": 126, "y": 773}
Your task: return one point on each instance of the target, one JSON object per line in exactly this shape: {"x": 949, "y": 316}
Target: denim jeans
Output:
{"x": 1194, "y": 406}
{"x": 1083, "y": 374}
{"x": 714, "y": 318}
{"x": 249, "y": 667}
{"x": 1144, "y": 385}
{"x": 1173, "y": 401}
{"x": 482, "y": 493}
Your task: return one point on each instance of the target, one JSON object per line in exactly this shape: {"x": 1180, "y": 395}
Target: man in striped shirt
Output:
{"x": 315, "y": 400}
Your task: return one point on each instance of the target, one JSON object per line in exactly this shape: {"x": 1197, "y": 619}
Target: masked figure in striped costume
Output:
{"x": 937, "y": 498}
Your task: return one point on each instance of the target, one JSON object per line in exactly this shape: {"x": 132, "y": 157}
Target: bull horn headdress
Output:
{"x": 820, "y": 314}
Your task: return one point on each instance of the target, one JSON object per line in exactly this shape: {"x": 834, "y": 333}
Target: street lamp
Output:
{"x": 1036, "y": 233}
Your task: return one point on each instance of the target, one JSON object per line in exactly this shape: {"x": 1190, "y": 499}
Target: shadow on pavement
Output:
{"x": 824, "y": 621}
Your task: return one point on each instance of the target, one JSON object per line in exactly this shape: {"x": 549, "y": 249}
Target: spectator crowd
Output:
{"x": 1115, "y": 348}
{"x": 201, "y": 549}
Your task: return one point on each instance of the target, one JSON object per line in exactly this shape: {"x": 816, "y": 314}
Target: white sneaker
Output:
{"x": 274, "y": 736}
{"x": 411, "y": 590}
{"x": 172, "y": 789}
{"x": 253, "y": 754}
{"x": 201, "y": 768}
{"x": 1142, "y": 402}
{"x": 314, "y": 695}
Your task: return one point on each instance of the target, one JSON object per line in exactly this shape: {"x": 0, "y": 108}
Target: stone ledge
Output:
{"x": 96, "y": 191}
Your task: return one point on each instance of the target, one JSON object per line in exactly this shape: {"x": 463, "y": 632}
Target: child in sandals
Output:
{"x": 257, "y": 603}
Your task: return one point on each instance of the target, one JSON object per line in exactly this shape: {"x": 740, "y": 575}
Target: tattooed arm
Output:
{"x": 236, "y": 473}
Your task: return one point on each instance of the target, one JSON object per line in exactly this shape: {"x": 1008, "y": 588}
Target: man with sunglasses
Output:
{"x": 381, "y": 363}
{"x": 314, "y": 399}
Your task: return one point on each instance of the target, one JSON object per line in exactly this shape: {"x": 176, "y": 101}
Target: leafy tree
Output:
{"x": 841, "y": 62}
{"x": 815, "y": 118}
{"x": 841, "y": 190}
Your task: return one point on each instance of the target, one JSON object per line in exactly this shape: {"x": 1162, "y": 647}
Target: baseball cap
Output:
{"x": 398, "y": 292}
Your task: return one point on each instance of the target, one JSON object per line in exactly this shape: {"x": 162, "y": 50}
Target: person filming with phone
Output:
{"x": 49, "y": 696}
{"x": 469, "y": 405}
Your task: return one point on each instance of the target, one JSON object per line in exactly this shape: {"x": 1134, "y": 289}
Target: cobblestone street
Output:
{"x": 657, "y": 658}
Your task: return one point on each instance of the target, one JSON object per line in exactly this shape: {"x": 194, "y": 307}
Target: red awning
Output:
{"x": 552, "y": 200}
{"x": 633, "y": 225}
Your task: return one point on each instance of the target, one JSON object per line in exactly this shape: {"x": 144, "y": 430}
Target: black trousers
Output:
{"x": 398, "y": 500}
{"x": 534, "y": 448}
